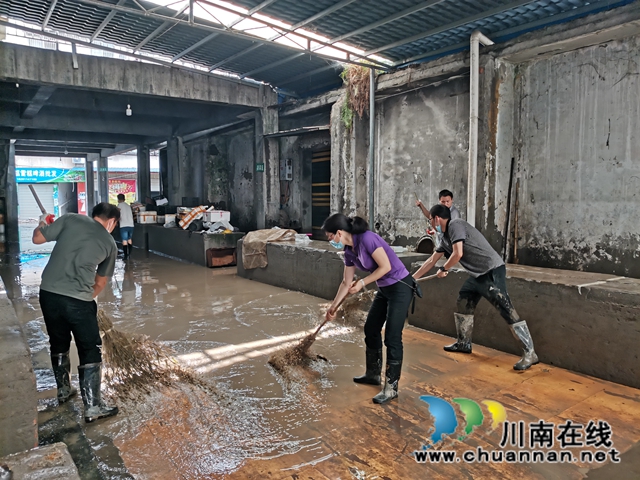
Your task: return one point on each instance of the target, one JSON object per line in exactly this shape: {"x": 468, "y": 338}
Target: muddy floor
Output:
{"x": 317, "y": 423}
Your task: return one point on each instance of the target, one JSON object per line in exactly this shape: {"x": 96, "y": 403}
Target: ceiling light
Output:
{"x": 128, "y": 111}
{"x": 66, "y": 152}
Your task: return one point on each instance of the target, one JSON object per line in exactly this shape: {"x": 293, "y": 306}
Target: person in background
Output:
{"x": 126, "y": 226}
{"x": 367, "y": 251}
{"x": 445, "y": 197}
{"x": 463, "y": 243}
{"x": 81, "y": 262}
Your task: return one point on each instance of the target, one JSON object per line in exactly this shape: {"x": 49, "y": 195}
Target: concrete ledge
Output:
{"x": 50, "y": 462}
{"x": 18, "y": 404}
{"x": 585, "y": 322}
{"x": 314, "y": 268}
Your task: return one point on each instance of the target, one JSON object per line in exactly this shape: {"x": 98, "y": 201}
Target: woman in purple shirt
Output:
{"x": 365, "y": 250}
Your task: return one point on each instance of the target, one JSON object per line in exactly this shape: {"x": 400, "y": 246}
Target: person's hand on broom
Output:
{"x": 330, "y": 315}
{"x": 47, "y": 218}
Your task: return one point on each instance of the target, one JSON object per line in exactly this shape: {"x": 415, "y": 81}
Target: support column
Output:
{"x": 89, "y": 186}
{"x": 103, "y": 179}
{"x": 176, "y": 158}
{"x": 143, "y": 186}
{"x": 9, "y": 194}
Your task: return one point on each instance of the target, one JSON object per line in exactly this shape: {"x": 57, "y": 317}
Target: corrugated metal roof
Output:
{"x": 401, "y": 31}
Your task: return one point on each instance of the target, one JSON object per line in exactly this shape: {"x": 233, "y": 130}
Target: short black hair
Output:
{"x": 121, "y": 196}
{"x": 440, "y": 211}
{"x": 445, "y": 193}
{"x": 105, "y": 211}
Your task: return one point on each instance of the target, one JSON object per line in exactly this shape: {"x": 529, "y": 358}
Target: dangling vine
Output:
{"x": 356, "y": 81}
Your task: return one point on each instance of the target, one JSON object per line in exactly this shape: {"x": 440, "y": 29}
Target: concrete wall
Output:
{"x": 578, "y": 162}
{"x": 67, "y": 198}
{"x": 422, "y": 146}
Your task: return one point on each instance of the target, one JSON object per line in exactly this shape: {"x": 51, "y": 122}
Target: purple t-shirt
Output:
{"x": 364, "y": 245}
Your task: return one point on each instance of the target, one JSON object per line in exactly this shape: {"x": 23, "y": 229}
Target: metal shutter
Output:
{"x": 27, "y": 207}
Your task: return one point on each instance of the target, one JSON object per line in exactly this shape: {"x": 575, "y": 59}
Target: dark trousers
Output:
{"x": 390, "y": 305}
{"x": 492, "y": 286}
{"x": 66, "y": 315}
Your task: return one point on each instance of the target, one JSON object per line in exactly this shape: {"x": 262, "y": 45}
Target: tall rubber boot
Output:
{"x": 392, "y": 377}
{"x": 374, "y": 367}
{"x": 125, "y": 249}
{"x": 90, "y": 377}
{"x": 464, "y": 327}
{"x": 61, "y": 364}
{"x": 529, "y": 357}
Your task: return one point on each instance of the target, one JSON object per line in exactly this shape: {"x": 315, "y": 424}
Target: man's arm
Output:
{"x": 425, "y": 212}
{"x": 38, "y": 238}
{"x": 428, "y": 265}
{"x": 101, "y": 282}
{"x": 458, "y": 250}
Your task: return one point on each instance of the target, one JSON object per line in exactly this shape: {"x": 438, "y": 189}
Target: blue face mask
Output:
{"x": 438, "y": 229}
{"x": 337, "y": 245}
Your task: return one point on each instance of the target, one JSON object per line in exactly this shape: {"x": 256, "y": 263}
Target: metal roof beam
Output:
{"x": 232, "y": 33}
{"x": 255, "y": 9}
{"x": 306, "y": 74}
{"x": 457, "y": 23}
{"x": 194, "y": 46}
{"x": 389, "y": 19}
{"x": 300, "y": 24}
{"x": 105, "y": 22}
{"x": 49, "y": 13}
{"x": 273, "y": 65}
{"x": 157, "y": 31}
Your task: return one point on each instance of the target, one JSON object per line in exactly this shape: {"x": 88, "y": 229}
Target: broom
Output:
{"x": 135, "y": 363}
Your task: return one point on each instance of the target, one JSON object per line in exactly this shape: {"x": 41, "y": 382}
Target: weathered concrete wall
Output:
{"x": 421, "y": 149}
{"x": 349, "y": 165}
{"x": 67, "y": 198}
{"x": 580, "y": 176}
{"x": 18, "y": 403}
{"x": 242, "y": 191}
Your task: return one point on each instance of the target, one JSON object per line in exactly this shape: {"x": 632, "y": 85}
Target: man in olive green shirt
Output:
{"x": 80, "y": 264}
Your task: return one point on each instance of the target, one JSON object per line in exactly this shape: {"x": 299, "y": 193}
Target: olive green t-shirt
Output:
{"x": 83, "y": 249}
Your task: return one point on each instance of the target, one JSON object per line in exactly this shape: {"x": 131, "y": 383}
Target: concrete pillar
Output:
{"x": 90, "y": 188}
{"x": 9, "y": 194}
{"x": 267, "y": 171}
{"x": 143, "y": 185}
{"x": 176, "y": 158}
{"x": 103, "y": 179}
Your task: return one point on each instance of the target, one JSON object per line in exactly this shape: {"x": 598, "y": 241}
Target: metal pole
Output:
{"x": 372, "y": 140}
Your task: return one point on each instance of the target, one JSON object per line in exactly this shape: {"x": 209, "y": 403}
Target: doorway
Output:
{"x": 320, "y": 191}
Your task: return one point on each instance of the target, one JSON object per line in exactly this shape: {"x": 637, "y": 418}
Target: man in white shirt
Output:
{"x": 126, "y": 225}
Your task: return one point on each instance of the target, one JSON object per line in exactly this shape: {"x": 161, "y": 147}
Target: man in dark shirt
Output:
{"x": 80, "y": 264}
{"x": 460, "y": 242}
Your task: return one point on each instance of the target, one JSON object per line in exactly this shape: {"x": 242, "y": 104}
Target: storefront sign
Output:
{"x": 48, "y": 175}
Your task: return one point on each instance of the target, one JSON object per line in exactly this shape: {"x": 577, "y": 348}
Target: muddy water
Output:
{"x": 226, "y": 328}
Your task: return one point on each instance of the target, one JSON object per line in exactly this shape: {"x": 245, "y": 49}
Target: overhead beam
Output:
{"x": 404, "y": 13}
{"x": 72, "y": 136}
{"x": 34, "y": 65}
{"x": 37, "y": 102}
{"x": 105, "y": 22}
{"x": 457, "y": 23}
{"x": 117, "y": 150}
{"x": 308, "y": 74}
{"x": 233, "y": 33}
{"x": 49, "y": 13}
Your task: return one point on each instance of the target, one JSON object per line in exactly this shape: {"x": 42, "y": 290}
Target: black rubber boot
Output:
{"x": 374, "y": 367}
{"x": 529, "y": 357}
{"x": 90, "y": 378}
{"x": 464, "y": 327}
{"x": 126, "y": 250}
{"x": 61, "y": 364}
{"x": 392, "y": 377}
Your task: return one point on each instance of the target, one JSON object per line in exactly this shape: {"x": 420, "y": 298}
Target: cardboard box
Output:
{"x": 147, "y": 217}
{"x": 217, "y": 216}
